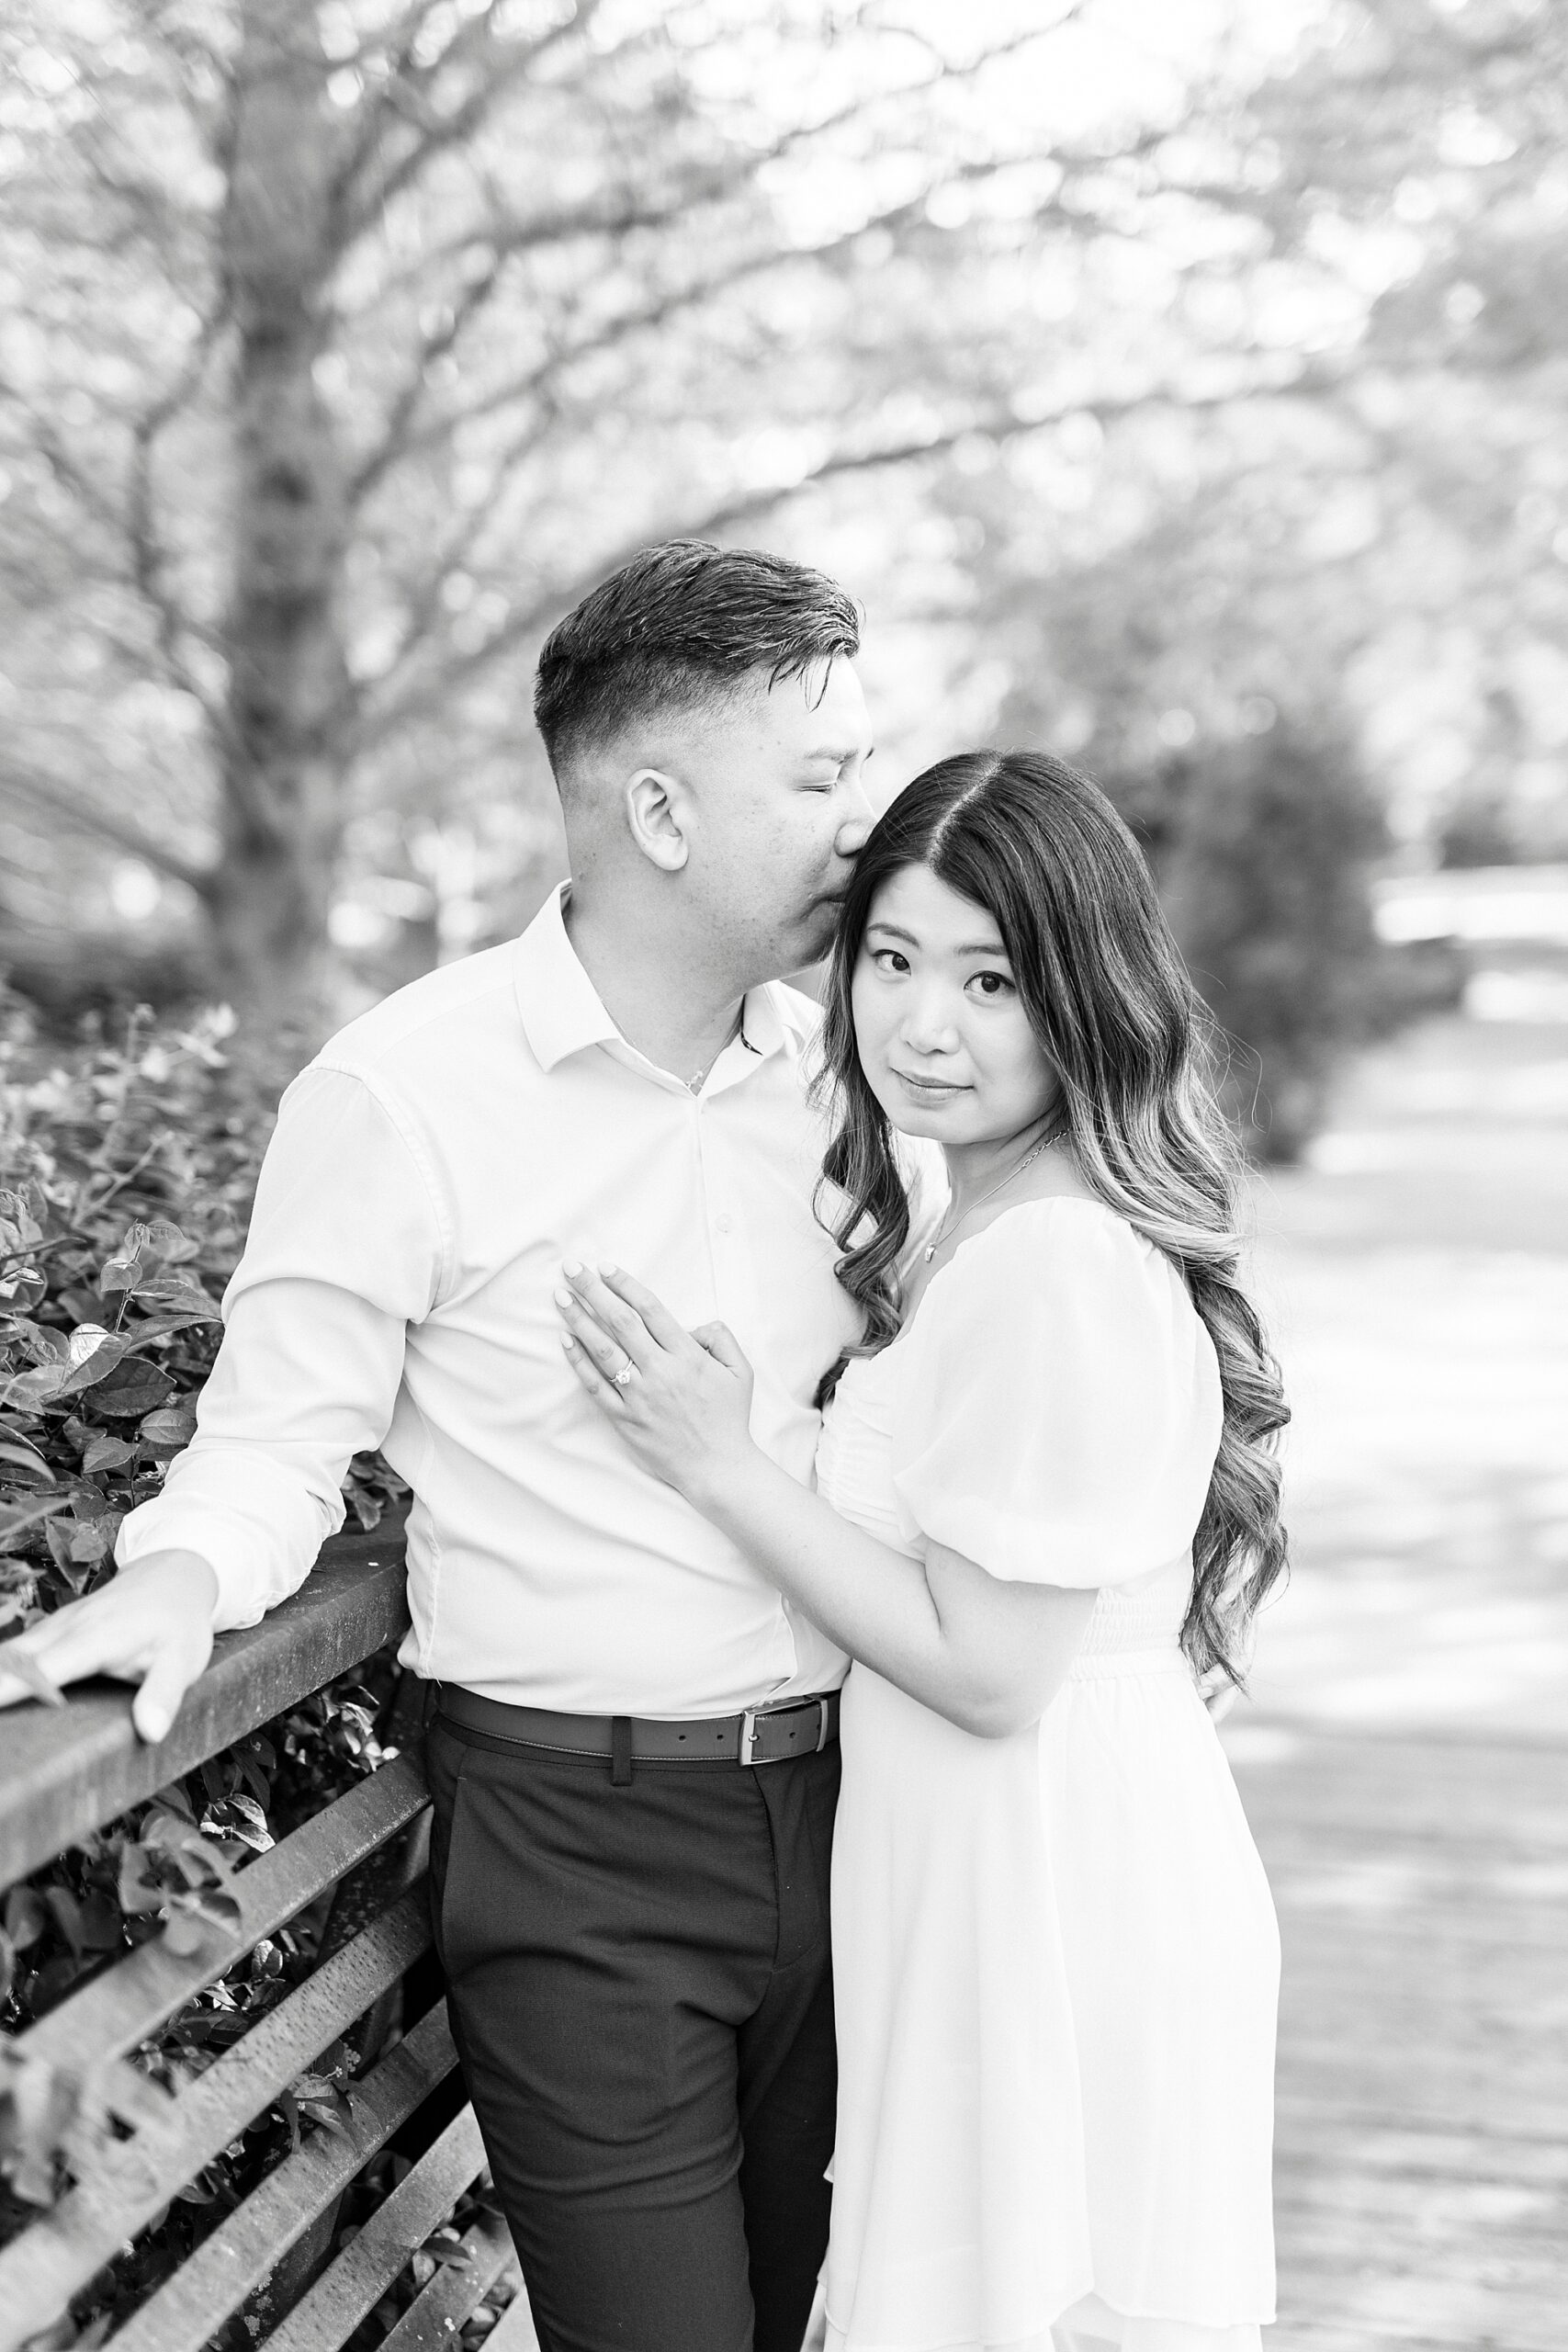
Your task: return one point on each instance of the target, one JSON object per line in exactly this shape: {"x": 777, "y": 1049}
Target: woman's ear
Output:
{"x": 656, "y": 817}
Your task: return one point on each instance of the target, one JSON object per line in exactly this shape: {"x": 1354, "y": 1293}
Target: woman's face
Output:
{"x": 943, "y": 1038}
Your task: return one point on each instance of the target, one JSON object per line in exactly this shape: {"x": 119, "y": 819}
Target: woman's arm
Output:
{"x": 988, "y": 1656}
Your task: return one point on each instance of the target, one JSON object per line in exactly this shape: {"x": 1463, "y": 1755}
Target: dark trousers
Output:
{"x": 642, "y": 2001}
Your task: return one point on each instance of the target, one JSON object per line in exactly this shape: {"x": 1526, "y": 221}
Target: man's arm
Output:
{"x": 344, "y": 1251}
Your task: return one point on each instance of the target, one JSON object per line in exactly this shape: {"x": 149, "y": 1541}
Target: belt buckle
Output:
{"x": 751, "y": 1718}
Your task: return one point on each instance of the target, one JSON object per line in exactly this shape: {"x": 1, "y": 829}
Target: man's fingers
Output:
{"x": 170, "y": 1675}
{"x": 722, "y": 1344}
{"x": 622, "y": 1323}
{"x": 23, "y": 1676}
{"x": 662, "y": 1325}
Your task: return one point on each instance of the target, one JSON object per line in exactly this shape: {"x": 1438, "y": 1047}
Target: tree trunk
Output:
{"x": 288, "y": 689}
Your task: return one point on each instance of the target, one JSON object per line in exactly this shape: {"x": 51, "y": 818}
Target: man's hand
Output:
{"x": 152, "y": 1626}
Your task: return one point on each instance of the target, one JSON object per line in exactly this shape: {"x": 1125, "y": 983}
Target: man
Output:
{"x": 628, "y": 1863}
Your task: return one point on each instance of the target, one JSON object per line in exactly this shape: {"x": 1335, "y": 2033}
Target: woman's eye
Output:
{"x": 992, "y": 984}
{"x": 887, "y": 959}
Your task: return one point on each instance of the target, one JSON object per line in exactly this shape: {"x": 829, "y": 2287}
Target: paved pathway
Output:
{"x": 1404, "y": 1757}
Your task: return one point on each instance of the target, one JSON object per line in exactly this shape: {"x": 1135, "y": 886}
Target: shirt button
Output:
{"x": 721, "y": 1224}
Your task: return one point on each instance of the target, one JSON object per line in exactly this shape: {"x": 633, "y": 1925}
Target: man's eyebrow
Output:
{"x": 831, "y": 751}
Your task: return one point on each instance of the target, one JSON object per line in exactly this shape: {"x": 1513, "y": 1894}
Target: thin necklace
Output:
{"x": 699, "y": 1078}
{"x": 1030, "y": 1156}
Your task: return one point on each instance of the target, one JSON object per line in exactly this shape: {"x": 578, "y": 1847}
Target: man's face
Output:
{"x": 778, "y": 814}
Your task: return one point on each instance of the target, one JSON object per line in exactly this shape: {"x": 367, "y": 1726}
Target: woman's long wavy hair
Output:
{"x": 1042, "y": 849}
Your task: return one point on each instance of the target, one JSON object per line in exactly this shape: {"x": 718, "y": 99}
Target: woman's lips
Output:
{"x": 928, "y": 1089}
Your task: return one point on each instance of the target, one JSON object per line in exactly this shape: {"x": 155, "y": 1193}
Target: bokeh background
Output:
{"x": 1179, "y": 383}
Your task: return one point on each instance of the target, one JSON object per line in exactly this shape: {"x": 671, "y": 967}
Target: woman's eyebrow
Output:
{"x": 991, "y": 947}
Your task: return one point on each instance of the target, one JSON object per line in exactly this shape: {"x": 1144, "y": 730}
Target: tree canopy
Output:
{"x": 1146, "y": 369}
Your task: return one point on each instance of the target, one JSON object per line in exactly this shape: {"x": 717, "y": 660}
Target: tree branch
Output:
{"x": 1309, "y": 382}
{"x": 398, "y": 442}
{"x": 438, "y": 133}
{"x": 80, "y": 814}
{"x": 597, "y": 218}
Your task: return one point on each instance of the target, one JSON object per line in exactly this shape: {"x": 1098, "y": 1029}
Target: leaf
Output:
{"x": 171, "y": 1425}
{"x": 24, "y": 1917}
{"x": 68, "y": 1915}
{"x": 185, "y": 1933}
{"x": 159, "y": 1326}
{"x": 25, "y": 1288}
{"x": 23, "y": 1456}
{"x": 99, "y": 1923}
{"x": 97, "y": 1366}
{"x": 174, "y": 1799}
{"x": 331, "y": 2117}
{"x": 242, "y": 1818}
{"x": 13, "y": 1518}
{"x": 139, "y": 1888}
{"x": 131, "y": 1389}
{"x": 30, "y": 1389}
{"x": 43, "y": 1343}
{"x": 118, "y": 1275}
{"x": 168, "y": 1244}
{"x": 107, "y": 1452}
{"x": 72, "y": 1571}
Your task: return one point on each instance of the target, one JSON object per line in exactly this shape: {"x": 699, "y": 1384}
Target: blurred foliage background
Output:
{"x": 1177, "y": 383}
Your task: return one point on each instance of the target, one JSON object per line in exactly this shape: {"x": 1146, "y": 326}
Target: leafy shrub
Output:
{"x": 126, "y": 1170}
{"x": 1263, "y": 849}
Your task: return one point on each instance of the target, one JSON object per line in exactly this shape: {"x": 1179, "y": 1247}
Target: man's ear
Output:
{"x": 655, "y": 809}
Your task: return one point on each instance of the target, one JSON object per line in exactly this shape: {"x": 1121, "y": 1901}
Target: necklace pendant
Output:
{"x": 930, "y": 1252}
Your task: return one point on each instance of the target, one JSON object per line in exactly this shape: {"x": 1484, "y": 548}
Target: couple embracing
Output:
{"x": 723, "y": 1343}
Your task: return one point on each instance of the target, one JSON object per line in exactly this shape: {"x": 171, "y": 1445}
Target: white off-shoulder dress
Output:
{"x": 1056, "y": 1956}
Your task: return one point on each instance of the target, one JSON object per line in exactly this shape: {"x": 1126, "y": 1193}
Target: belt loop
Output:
{"x": 620, "y": 1751}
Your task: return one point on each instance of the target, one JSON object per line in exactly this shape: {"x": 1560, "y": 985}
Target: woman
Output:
{"x": 1047, "y": 1504}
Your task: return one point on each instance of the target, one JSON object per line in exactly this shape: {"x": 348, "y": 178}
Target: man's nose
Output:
{"x": 856, "y": 823}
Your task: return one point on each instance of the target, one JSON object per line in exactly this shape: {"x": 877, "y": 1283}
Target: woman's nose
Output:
{"x": 928, "y": 1026}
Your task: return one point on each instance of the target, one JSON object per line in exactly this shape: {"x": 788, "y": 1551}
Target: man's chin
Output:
{"x": 820, "y": 930}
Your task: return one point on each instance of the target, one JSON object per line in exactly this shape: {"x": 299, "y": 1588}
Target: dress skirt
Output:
{"x": 1057, "y": 1967}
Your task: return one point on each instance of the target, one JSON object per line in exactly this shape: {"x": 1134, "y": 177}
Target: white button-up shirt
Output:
{"x": 430, "y": 1171}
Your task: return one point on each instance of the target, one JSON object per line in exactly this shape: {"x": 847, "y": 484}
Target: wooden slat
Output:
{"x": 66, "y": 1770}
{"x": 243, "y": 2250}
{"x": 368, "y": 2263}
{"x": 129, "y": 2181}
{"x": 514, "y": 2330}
{"x": 439, "y": 2308}
{"x": 131, "y": 2000}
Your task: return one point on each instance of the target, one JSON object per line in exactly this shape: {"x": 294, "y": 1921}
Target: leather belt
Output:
{"x": 760, "y": 1736}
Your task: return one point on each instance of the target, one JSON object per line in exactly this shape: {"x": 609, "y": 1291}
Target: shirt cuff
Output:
{"x": 256, "y": 1556}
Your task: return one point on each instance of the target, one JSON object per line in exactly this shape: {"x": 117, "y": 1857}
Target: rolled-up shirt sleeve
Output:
{"x": 346, "y": 1249}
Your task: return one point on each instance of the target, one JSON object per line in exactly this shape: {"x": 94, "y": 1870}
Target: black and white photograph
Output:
{"x": 783, "y": 1175}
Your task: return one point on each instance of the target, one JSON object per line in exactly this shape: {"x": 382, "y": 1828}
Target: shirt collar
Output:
{"x": 561, "y": 1011}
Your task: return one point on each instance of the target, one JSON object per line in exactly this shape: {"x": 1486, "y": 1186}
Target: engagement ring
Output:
{"x": 623, "y": 1378}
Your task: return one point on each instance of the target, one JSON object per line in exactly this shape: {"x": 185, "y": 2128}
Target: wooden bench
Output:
{"x": 65, "y": 1773}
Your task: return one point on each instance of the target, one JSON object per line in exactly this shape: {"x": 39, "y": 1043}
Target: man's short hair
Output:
{"x": 680, "y": 627}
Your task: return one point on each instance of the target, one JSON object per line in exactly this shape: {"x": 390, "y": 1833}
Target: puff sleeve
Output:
{"x": 1060, "y": 1410}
